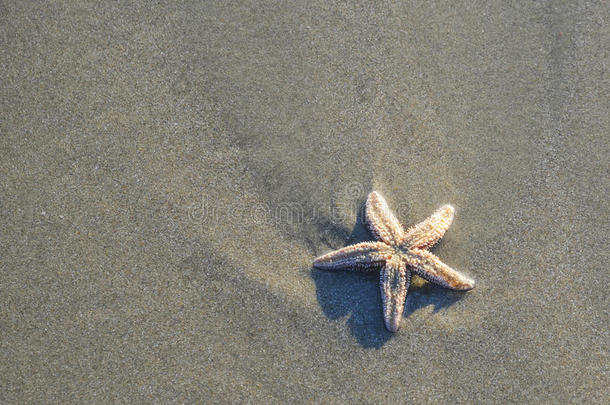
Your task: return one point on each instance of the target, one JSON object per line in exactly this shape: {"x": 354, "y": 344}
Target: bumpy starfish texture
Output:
{"x": 398, "y": 254}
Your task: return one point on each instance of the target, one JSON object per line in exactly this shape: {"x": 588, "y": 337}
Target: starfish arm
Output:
{"x": 429, "y": 267}
{"x": 394, "y": 282}
{"x": 381, "y": 221}
{"x": 365, "y": 256}
{"x": 428, "y": 232}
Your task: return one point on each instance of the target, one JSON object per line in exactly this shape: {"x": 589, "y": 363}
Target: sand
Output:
{"x": 168, "y": 173}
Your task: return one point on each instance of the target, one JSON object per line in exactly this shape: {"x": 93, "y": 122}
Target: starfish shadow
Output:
{"x": 355, "y": 293}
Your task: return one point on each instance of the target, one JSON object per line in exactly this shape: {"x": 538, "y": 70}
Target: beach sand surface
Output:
{"x": 169, "y": 172}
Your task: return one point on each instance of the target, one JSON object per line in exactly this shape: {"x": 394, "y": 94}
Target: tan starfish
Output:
{"x": 398, "y": 254}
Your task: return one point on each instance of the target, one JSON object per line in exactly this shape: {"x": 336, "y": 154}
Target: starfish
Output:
{"x": 398, "y": 255}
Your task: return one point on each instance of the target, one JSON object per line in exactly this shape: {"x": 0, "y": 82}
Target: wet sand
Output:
{"x": 168, "y": 174}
